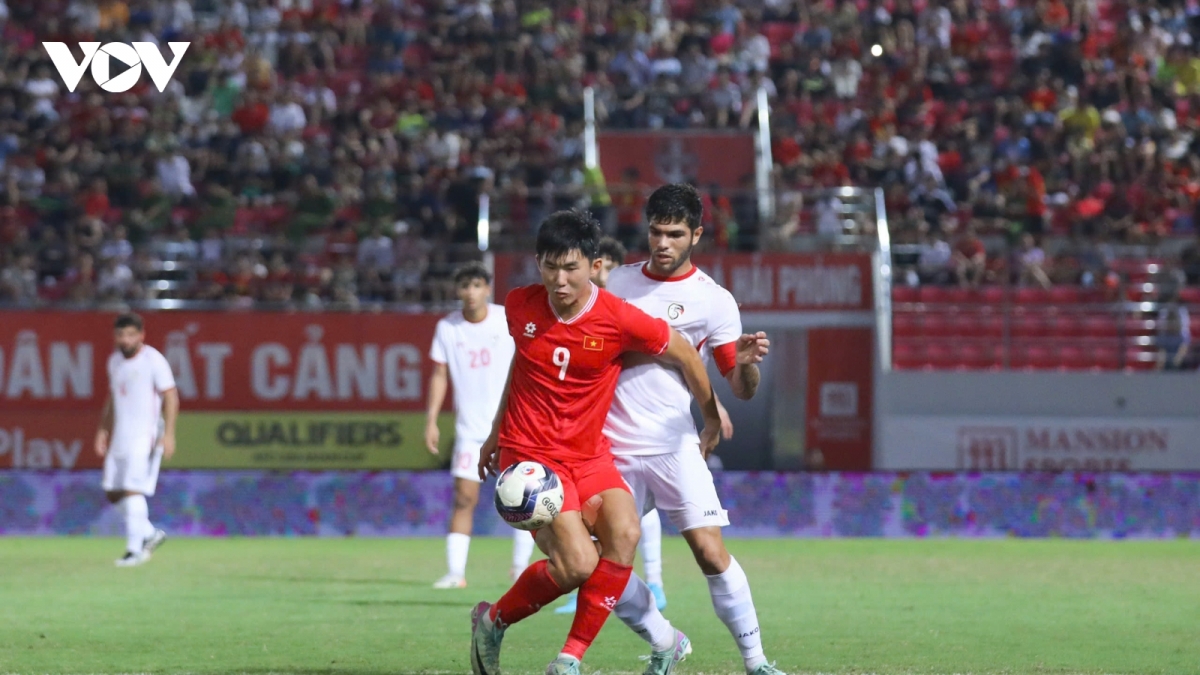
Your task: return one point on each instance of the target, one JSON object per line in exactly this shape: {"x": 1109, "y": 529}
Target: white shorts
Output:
{"x": 132, "y": 471}
{"x": 465, "y": 462}
{"x": 678, "y": 484}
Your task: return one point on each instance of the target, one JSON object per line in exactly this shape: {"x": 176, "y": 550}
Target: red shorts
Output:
{"x": 580, "y": 480}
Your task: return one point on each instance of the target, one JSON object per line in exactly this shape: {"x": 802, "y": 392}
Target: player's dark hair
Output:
{"x": 128, "y": 320}
{"x": 675, "y": 203}
{"x": 566, "y": 231}
{"x": 471, "y": 271}
{"x": 612, "y": 249}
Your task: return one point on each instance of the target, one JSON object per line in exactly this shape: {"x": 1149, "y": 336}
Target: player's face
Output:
{"x": 128, "y": 340}
{"x": 474, "y": 294}
{"x": 566, "y": 278}
{"x": 600, "y": 278}
{"x": 671, "y": 246}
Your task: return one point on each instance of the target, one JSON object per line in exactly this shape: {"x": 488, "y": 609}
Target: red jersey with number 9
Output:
{"x": 565, "y": 372}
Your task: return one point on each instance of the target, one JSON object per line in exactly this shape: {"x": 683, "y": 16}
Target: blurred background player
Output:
{"x": 570, "y": 338}
{"x": 654, "y": 436}
{"x": 471, "y": 348}
{"x": 612, "y": 255}
{"x": 137, "y": 431}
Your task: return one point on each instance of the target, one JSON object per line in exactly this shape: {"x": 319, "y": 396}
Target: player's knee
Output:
{"x": 624, "y": 540}
{"x": 576, "y": 564}
{"x": 465, "y": 501}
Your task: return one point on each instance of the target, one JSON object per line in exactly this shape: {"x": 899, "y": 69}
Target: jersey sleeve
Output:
{"x": 513, "y": 302}
{"x": 727, "y": 328}
{"x": 164, "y": 379}
{"x": 641, "y": 332}
{"x": 437, "y": 350}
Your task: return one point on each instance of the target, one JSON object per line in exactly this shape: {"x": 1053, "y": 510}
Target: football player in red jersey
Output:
{"x": 570, "y": 337}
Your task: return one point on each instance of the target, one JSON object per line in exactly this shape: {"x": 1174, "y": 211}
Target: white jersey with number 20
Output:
{"x": 651, "y": 413}
{"x": 478, "y": 355}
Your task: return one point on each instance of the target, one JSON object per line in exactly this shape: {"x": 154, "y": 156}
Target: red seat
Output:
{"x": 1190, "y": 295}
{"x": 939, "y": 355}
{"x": 905, "y": 324}
{"x": 1033, "y": 357}
{"x": 1100, "y": 326}
{"x": 1106, "y": 358}
{"x": 907, "y": 355}
{"x": 1032, "y": 296}
{"x": 1071, "y": 325}
{"x": 993, "y": 295}
{"x": 979, "y": 325}
{"x": 936, "y": 325}
{"x": 1029, "y": 325}
{"x": 977, "y": 357}
{"x": 1074, "y": 358}
{"x": 1065, "y": 295}
{"x": 904, "y": 294}
{"x": 935, "y": 295}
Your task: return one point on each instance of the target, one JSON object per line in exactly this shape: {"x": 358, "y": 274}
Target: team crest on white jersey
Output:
{"x": 529, "y": 329}
{"x": 674, "y": 311}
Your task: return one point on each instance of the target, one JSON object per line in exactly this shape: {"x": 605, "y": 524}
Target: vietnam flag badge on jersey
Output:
{"x": 593, "y": 344}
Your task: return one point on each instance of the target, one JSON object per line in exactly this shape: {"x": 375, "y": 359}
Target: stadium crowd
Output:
{"x": 323, "y": 151}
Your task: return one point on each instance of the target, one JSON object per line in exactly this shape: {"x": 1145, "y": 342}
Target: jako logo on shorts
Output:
{"x": 100, "y": 58}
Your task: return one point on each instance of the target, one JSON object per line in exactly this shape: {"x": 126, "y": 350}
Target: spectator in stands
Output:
{"x": 970, "y": 258}
{"x": 1174, "y": 336}
{"x": 1030, "y": 263}
{"x": 935, "y": 262}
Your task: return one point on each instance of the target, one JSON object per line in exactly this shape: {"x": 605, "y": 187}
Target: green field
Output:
{"x": 364, "y": 606}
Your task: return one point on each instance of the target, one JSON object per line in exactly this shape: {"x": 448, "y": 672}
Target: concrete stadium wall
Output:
{"x": 1037, "y": 421}
{"x": 760, "y": 504}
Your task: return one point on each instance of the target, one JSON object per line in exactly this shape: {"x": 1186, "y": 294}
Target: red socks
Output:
{"x": 597, "y": 597}
{"x": 534, "y": 589}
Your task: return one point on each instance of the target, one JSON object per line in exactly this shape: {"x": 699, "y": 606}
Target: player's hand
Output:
{"x": 168, "y": 446}
{"x": 489, "y": 458}
{"x": 752, "y": 348}
{"x": 101, "y": 443}
{"x": 726, "y": 423}
{"x": 432, "y": 436}
{"x": 709, "y": 439}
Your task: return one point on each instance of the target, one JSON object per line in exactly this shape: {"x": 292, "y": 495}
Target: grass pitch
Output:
{"x": 353, "y": 606}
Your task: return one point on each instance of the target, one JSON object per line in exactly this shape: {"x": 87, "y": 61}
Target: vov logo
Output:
{"x": 100, "y": 58}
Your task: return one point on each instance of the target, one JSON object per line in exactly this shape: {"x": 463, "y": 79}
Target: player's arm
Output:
{"x": 489, "y": 454}
{"x": 105, "y": 429}
{"x": 681, "y": 353}
{"x": 170, "y": 411}
{"x": 439, "y": 382}
{"x": 744, "y": 377}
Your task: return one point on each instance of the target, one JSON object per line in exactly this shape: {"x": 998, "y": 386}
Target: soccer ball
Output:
{"x": 528, "y": 495}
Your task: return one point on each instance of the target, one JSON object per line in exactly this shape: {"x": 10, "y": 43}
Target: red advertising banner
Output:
{"x": 676, "y": 157}
{"x": 55, "y": 361}
{"x": 772, "y": 282}
{"x": 840, "y": 397}
{"x": 48, "y": 440}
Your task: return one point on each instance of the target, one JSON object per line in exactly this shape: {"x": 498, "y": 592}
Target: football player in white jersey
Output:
{"x": 137, "y": 432}
{"x": 472, "y": 348}
{"x": 612, "y": 254}
{"x": 654, "y": 437}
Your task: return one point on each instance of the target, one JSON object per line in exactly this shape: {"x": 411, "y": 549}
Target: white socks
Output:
{"x": 731, "y": 599}
{"x": 651, "y": 546}
{"x": 457, "y": 546}
{"x": 137, "y": 521}
{"x": 637, "y": 609}
{"x": 522, "y": 549}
